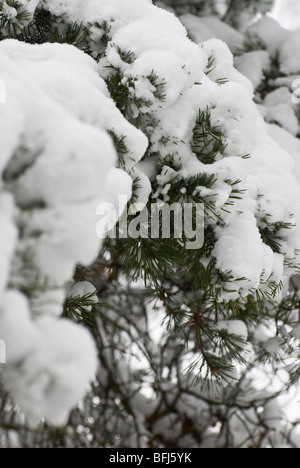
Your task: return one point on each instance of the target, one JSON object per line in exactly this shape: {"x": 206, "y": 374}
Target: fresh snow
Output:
{"x": 234, "y": 327}
{"x": 204, "y": 28}
{"x": 287, "y": 13}
{"x": 253, "y": 65}
{"x": 58, "y": 163}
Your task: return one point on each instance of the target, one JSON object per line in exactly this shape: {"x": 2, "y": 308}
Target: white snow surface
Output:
{"x": 50, "y": 361}
{"x": 287, "y": 13}
{"x": 210, "y": 27}
{"x": 234, "y": 327}
{"x": 253, "y": 65}
{"x": 290, "y": 54}
{"x": 268, "y": 34}
{"x": 58, "y": 162}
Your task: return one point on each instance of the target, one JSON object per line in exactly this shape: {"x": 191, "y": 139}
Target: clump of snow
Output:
{"x": 264, "y": 176}
{"x": 2, "y": 352}
{"x": 273, "y": 344}
{"x": 267, "y": 34}
{"x": 280, "y": 44}
{"x": 8, "y": 238}
{"x": 284, "y": 116}
{"x": 57, "y": 164}
{"x": 240, "y": 245}
{"x": 287, "y": 13}
{"x": 49, "y": 362}
{"x": 290, "y": 54}
{"x": 223, "y": 64}
{"x": 277, "y": 83}
{"x": 16, "y": 15}
{"x": 273, "y": 415}
{"x": 204, "y": 28}
{"x": 296, "y": 332}
{"x": 234, "y": 327}
{"x": 278, "y": 107}
{"x": 9, "y": 11}
{"x": 253, "y": 65}
{"x": 289, "y": 143}
{"x": 83, "y": 289}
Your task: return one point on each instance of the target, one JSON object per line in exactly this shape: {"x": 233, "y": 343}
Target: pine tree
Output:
{"x": 180, "y": 333}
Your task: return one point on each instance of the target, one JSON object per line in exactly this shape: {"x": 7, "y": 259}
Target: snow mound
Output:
{"x": 57, "y": 164}
{"x": 159, "y": 94}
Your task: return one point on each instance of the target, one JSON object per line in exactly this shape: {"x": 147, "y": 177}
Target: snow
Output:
{"x": 2, "y": 352}
{"x": 165, "y": 39}
{"x": 48, "y": 304}
{"x": 289, "y": 143}
{"x": 272, "y": 415}
{"x": 223, "y": 64}
{"x": 58, "y": 164}
{"x": 231, "y": 108}
{"x": 168, "y": 66}
{"x": 82, "y": 289}
{"x": 11, "y": 13}
{"x": 47, "y": 373}
{"x": 253, "y": 65}
{"x": 92, "y": 104}
{"x": 273, "y": 344}
{"x": 62, "y": 141}
{"x": 268, "y": 34}
{"x": 204, "y": 28}
{"x": 296, "y": 332}
{"x": 283, "y": 115}
{"x": 287, "y": 13}
{"x": 48, "y": 213}
{"x": 289, "y": 56}
{"x": 265, "y": 175}
{"x": 278, "y": 96}
{"x": 8, "y": 238}
{"x": 234, "y": 327}
{"x": 97, "y": 10}
{"x": 241, "y": 251}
